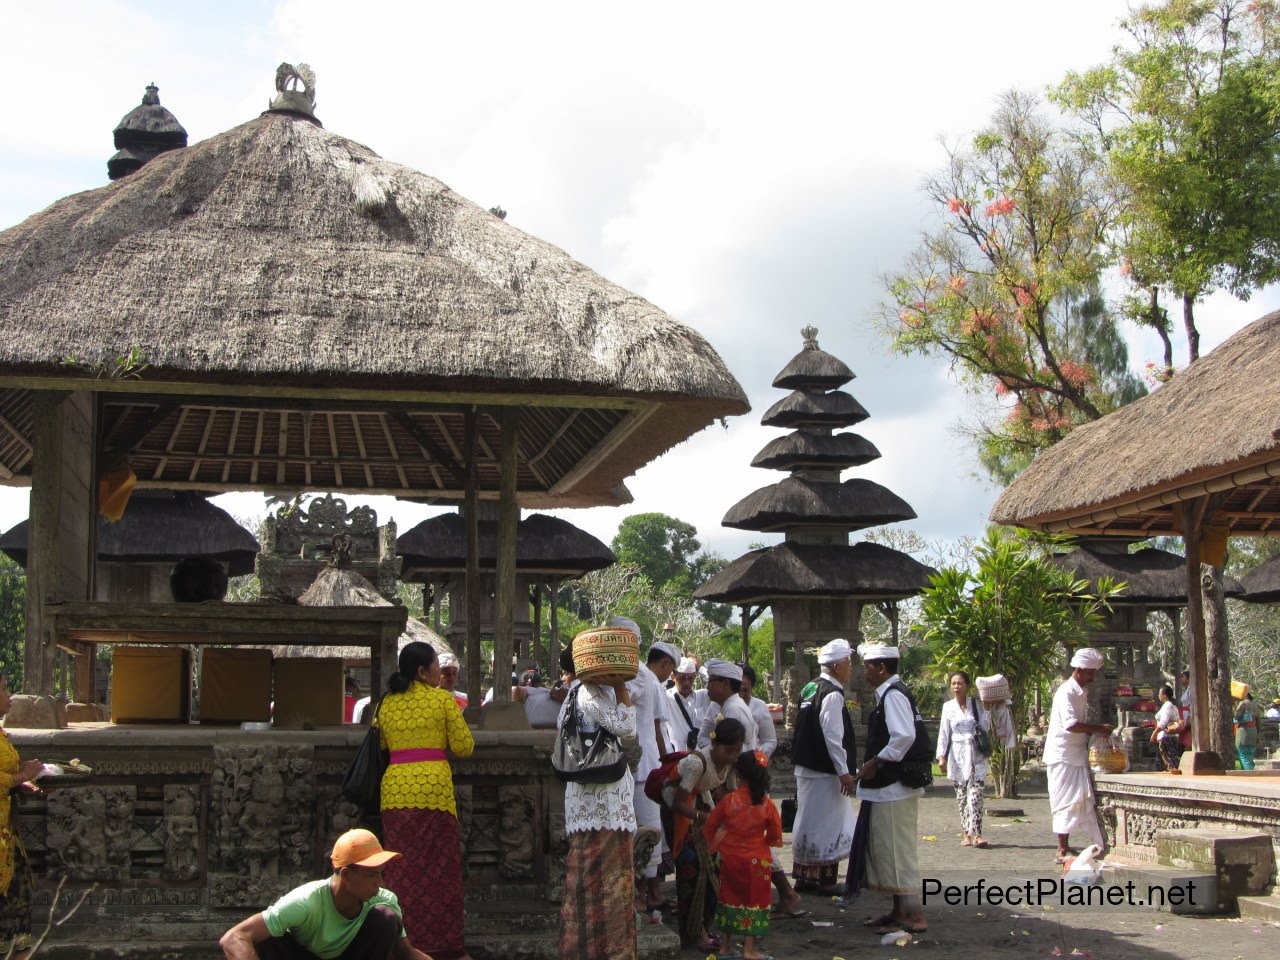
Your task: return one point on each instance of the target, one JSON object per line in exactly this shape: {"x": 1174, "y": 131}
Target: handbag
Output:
{"x": 981, "y": 739}
{"x": 362, "y": 784}
{"x": 585, "y": 757}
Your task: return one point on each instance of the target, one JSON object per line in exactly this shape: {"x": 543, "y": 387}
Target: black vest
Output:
{"x": 889, "y": 772}
{"x": 808, "y": 745}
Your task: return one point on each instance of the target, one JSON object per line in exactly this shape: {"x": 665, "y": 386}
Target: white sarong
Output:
{"x": 1071, "y": 802}
{"x": 823, "y": 831}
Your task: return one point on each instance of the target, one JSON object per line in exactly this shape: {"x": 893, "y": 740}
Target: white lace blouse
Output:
{"x": 602, "y": 806}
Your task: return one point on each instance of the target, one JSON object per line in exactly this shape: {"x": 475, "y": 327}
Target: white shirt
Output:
{"x": 680, "y": 727}
{"x": 1272, "y": 713}
{"x": 1070, "y": 706}
{"x": 734, "y": 708}
{"x": 541, "y": 711}
{"x": 602, "y": 806}
{"x": 646, "y": 696}
{"x": 902, "y": 734}
{"x": 831, "y": 723}
{"x": 955, "y": 736}
{"x": 1165, "y": 716}
{"x": 766, "y": 732}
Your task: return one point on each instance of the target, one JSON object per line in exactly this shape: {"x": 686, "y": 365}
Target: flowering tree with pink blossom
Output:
{"x": 1006, "y": 287}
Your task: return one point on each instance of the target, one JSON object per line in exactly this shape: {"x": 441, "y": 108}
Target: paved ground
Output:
{"x": 1021, "y": 849}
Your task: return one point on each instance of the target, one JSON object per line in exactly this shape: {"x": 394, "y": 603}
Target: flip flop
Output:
{"x": 1061, "y": 859}
{"x": 966, "y": 842}
{"x": 879, "y": 921}
{"x": 981, "y": 844}
{"x": 789, "y": 914}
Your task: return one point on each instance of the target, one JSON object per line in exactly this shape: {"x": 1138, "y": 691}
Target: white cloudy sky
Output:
{"x": 749, "y": 167}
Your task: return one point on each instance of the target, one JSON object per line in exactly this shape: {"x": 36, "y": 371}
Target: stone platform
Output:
{"x": 188, "y": 829}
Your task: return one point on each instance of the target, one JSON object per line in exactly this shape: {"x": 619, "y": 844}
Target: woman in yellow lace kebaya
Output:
{"x": 422, "y": 726}
{"x": 15, "y": 870}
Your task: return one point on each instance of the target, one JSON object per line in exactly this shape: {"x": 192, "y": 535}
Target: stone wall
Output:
{"x": 217, "y": 823}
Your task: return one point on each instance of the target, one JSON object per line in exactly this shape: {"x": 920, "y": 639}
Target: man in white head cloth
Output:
{"x": 899, "y": 759}
{"x": 724, "y": 684}
{"x": 823, "y": 750}
{"x": 449, "y": 668}
{"x": 662, "y": 661}
{"x": 648, "y": 698}
{"x": 1066, "y": 754}
{"x": 686, "y": 705}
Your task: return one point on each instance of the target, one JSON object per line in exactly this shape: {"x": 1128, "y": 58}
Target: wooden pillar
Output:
{"x": 385, "y": 659}
{"x": 505, "y": 593}
{"x": 535, "y": 597}
{"x": 777, "y": 667}
{"x": 1175, "y": 620}
{"x": 1199, "y": 759}
{"x": 61, "y": 530}
{"x": 471, "y": 509}
{"x": 553, "y": 647}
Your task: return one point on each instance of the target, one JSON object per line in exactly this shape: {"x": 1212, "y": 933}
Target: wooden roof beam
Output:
{"x": 430, "y": 447}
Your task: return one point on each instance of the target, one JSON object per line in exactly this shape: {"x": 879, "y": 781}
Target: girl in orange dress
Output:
{"x": 743, "y": 827}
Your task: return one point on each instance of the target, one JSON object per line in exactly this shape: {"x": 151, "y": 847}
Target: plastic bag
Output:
{"x": 1084, "y": 868}
{"x": 1108, "y": 755}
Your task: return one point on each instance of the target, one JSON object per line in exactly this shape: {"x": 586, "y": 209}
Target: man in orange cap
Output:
{"x": 349, "y": 916}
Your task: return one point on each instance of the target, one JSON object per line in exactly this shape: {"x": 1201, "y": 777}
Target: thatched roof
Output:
{"x": 162, "y": 527}
{"x": 346, "y": 588}
{"x": 543, "y": 544}
{"x": 280, "y": 258}
{"x": 813, "y": 368}
{"x": 863, "y": 571}
{"x": 800, "y": 408}
{"x": 794, "y": 502}
{"x": 798, "y": 449}
{"x": 1262, "y": 583}
{"x": 1154, "y": 577}
{"x": 1212, "y": 428}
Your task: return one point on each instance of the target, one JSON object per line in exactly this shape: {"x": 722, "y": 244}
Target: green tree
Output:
{"x": 663, "y": 548}
{"x": 1012, "y": 614}
{"x": 1187, "y": 115}
{"x": 1006, "y": 287}
{"x": 13, "y": 621}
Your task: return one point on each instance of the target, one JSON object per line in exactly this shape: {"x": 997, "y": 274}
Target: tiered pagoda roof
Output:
{"x": 1152, "y": 577}
{"x": 813, "y": 507}
{"x": 543, "y": 544}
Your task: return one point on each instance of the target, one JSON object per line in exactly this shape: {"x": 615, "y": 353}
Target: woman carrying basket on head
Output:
{"x": 959, "y": 752}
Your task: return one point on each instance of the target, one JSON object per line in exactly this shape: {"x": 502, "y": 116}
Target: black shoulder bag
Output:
{"x": 582, "y": 757}
{"x": 362, "y": 784}
{"x": 981, "y": 739}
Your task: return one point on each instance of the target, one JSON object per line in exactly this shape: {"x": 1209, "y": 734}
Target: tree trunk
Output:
{"x": 1160, "y": 325}
{"x": 1193, "y": 335}
{"x": 1222, "y": 740}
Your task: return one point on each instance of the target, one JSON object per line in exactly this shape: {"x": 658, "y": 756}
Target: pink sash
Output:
{"x": 418, "y": 754}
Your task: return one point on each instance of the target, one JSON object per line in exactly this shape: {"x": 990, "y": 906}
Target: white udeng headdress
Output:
{"x": 834, "y": 652}
{"x": 1087, "y": 658}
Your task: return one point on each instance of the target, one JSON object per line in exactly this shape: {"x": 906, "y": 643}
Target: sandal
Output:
{"x": 981, "y": 844}
{"x": 879, "y": 921}
{"x": 966, "y": 842}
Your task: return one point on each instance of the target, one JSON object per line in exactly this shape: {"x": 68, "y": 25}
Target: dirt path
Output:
{"x": 1022, "y": 850}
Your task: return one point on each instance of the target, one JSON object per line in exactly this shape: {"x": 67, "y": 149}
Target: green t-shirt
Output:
{"x": 308, "y": 915}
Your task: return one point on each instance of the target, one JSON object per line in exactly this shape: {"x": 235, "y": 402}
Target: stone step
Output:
{"x": 1168, "y": 889}
{"x": 1242, "y": 860}
{"x": 487, "y": 939}
{"x": 1266, "y": 909}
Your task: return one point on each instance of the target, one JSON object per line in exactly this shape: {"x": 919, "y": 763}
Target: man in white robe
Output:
{"x": 1066, "y": 755}
{"x": 685, "y": 705}
{"x": 648, "y": 698}
{"x": 822, "y": 748}
{"x": 724, "y": 684}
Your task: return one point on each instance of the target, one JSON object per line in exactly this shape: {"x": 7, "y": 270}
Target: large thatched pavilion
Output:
{"x": 278, "y": 308}
{"x": 1198, "y": 457}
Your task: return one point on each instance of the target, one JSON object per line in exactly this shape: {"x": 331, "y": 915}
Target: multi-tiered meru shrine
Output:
{"x": 816, "y": 582}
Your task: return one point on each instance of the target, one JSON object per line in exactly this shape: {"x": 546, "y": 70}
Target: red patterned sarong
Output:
{"x": 427, "y": 878}
{"x": 745, "y": 894}
{"x": 598, "y": 918}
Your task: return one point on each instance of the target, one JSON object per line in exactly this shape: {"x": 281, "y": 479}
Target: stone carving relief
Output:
{"x": 518, "y": 830}
{"x": 90, "y": 832}
{"x": 262, "y": 798}
{"x": 181, "y": 831}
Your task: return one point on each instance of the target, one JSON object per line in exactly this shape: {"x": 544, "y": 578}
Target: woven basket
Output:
{"x": 1108, "y": 757}
{"x": 605, "y": 651}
